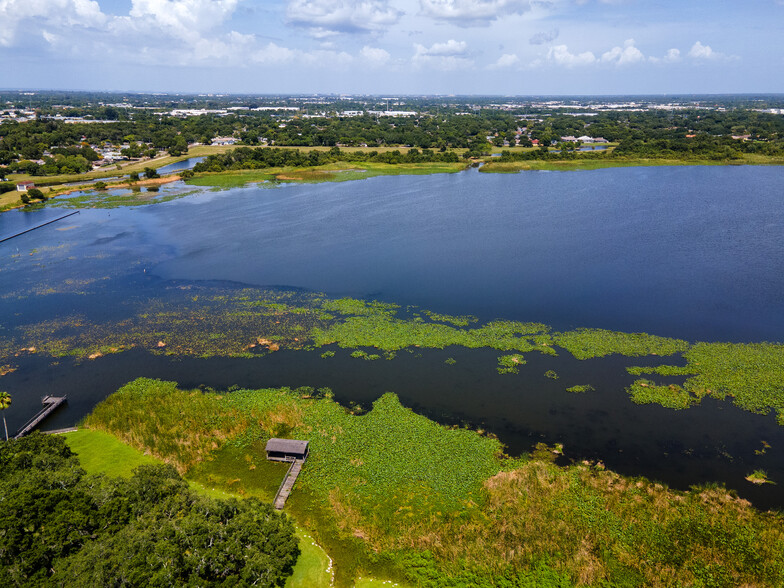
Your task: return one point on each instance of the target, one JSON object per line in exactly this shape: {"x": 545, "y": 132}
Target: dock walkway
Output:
{"x": 288, "y": 484}
{"x": 50, "y": 404}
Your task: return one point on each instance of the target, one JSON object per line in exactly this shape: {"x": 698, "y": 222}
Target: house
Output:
{"x": 569, "y": 138}
{"x": 224, "y": 141}
{"x": 286, "y": 449}
{"x": 24, "y": 186}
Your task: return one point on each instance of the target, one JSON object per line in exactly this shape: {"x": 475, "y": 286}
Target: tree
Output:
{"x": 151, "y": 173}
{"x": 60, "y": 527}
{"x": 5, "y": 402}
{"x": 36, "y": 193}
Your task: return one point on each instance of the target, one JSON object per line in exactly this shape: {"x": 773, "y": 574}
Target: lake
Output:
{"x": 688, "y": 252}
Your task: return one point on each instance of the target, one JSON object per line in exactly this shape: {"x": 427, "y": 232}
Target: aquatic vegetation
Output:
{"x": 450, "y": 361}
{"x": 384, "y": 331}
{"x": 759, "y": 477}
{"x": 359, "y": 354}
{"x": 458, "y": 321}
{"x": 393, "y": 491}
{"x": 352, "y": 306}
{"x": 205, "y": 321}
{"x": 510, "y": 364}
{"x": 672, "y": 396}
{"x": 663, "y": 370}
{"x": 580, "y": 388}
{"x": 551, "y": 374}
{"x": 588, "y": 343}
{"x": 119, "y": 198}
{"x": 752, "y": 373}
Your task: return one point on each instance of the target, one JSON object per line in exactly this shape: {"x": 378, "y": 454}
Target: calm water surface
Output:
{"x": 690, "y": 252}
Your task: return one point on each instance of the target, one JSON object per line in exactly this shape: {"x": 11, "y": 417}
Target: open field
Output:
{"x": 492, "y": 166}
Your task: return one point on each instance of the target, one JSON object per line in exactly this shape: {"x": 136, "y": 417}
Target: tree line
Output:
{"x": 266, "y": 157}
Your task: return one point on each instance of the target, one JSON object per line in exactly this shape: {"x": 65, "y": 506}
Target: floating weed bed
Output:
{"x": 588, "y": 343}
{"x": 510, "y": 364}
{"x": 120, "y": 198}
{"x": 212, "y": 320}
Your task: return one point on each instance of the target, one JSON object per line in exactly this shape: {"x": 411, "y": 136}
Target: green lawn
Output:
{"x": 101, "y": 453}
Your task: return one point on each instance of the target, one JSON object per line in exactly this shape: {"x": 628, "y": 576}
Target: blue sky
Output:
{"x": 506, "y": 47}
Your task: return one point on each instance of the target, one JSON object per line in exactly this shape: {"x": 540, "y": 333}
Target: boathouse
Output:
{"x": 286, "y": 449}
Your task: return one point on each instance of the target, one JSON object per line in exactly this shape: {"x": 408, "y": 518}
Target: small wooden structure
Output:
{"x": 50, "y": 404}
{"x": 287, "y": 450}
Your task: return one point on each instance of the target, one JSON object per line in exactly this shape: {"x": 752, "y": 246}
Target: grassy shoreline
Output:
{"x": 392, "y": 494}
{"x": 347, "y": 171}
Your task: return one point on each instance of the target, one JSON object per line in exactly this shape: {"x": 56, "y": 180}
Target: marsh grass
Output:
{"x": 392, "y": 494}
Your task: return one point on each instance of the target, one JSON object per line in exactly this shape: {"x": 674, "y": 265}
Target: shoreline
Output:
{"x": 317, "y": 174}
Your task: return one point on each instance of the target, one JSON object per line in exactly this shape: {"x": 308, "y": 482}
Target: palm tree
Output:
{"x": 5, "y": 402}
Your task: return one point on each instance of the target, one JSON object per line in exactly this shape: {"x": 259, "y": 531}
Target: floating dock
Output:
{"x": 50, "y": 404}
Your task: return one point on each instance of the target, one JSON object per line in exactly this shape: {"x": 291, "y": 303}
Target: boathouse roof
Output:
{"x": 287, "y": 446}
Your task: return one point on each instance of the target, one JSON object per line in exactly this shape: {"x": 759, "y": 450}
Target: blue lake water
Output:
{"x": 693, "y": 252}
{"x": 690, "y": 252}
{"x": 189, "y": 163}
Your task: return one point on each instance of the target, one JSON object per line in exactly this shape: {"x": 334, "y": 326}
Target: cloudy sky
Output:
{"x": 510, "y": 47}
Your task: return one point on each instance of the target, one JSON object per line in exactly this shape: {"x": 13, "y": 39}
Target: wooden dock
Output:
{"x": 288, "y": 483}
{"x": 50, "y": 404}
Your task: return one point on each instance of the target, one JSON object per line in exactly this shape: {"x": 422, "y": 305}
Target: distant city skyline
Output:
{"x": 503, "y": 47}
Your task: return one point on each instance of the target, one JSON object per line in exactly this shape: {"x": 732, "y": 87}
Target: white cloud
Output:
{"x": 375, "y": 55}
{"x": 544, "y": 37}
{"x": 47, "y": 13}
{"x": 447, "y": 56}
{"x": 468, "y": 13}
{"x": 625, "y": 55}
{"x": 273, "y": 54}
{"x": 331, "y": 17}
{"x": 700, "y": 51}
{"x": 507, "y": 60}
{"x": 184, "y": 15}
{"x": 672, "y": 56}
{"x": 560, "y": 55}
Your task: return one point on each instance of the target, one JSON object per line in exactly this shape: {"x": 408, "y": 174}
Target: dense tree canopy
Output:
{"x": 61, "y": 527}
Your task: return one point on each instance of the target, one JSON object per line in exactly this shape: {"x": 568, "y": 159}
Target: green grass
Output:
{"x": 492, "y": 165}
{"x": 333, "y": 172}
{"x": 314, "y": 567}
{"x": 394, "y": 495}
{"x": 103, "y": 453}
{"x": 233, "y": 179}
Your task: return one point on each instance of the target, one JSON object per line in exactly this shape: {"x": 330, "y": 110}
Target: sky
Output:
{"x": 414, "y": 47}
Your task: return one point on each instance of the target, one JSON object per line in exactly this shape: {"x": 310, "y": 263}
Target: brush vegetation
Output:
{"x": 392, "y": 494}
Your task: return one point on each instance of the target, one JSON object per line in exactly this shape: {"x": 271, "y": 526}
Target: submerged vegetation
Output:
{"x": 392, "y": 494}
{"x": 211, "y": 320}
